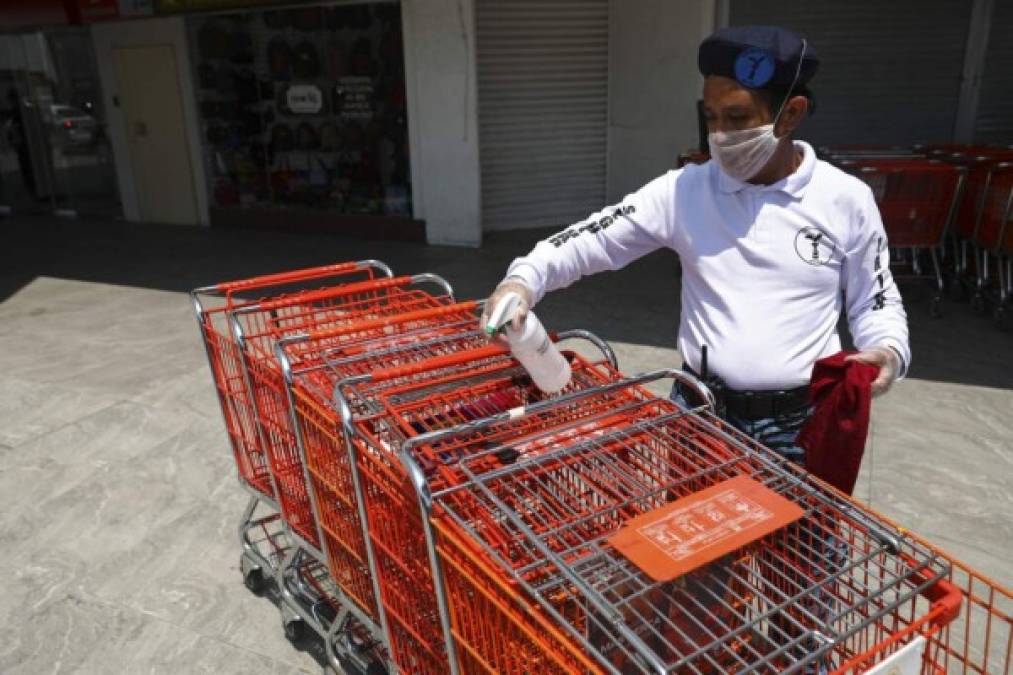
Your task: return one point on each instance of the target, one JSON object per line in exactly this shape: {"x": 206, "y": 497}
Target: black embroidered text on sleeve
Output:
{"x": 591, "y": 227}
{"x": 879, "y": 299}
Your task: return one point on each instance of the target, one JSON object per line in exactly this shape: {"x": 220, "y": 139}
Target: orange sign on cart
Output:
{"x": 695, "y": 530}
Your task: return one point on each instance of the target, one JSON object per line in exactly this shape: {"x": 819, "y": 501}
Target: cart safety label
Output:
{"x": 907, "y": 661}
{"x": 695, "y": 530}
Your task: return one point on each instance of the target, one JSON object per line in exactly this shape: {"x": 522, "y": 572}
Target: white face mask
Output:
{"x": 741, "y": 154}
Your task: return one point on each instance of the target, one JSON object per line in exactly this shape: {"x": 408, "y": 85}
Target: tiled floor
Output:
{"x": 117, "y": 534}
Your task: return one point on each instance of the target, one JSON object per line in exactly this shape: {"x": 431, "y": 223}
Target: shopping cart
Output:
{"x": 942, "y": 150}
{"x": 257, "y": 326}
{"x": 381, "y": 410}
{"x": 259, "y": 534}
{"x": 917, "y": 200}
{"x": 993, "y": 243}
{"x": 691, "y": 157}
{"x": 356, "y": 310}
{"x": 859, "y": 152}
{"x": 534, "y": 581}
{"x": 314, "y": 362}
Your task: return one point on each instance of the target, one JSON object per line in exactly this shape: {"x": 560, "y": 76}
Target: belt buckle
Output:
{"x": 750, "y": 404}
{"x": 775, "y": 402}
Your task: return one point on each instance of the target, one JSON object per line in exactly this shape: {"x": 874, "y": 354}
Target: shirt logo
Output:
{"x": 754, "y": 67}
{"x": 814, "y": 246}
{"x": 591, "y": 226}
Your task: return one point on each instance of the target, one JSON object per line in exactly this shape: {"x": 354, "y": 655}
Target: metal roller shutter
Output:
{"x": 890, "y": 71}
{"x": 994, "y": 122}
{"x": 542, "y": 110}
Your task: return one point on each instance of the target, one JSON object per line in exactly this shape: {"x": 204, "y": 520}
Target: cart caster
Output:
{"x": 376, "y": 668}
{"x": 958, "y": 290}
{"x": 347, "y": 647}
{"x": 1002, "y": 319}
{"x": 295, "y": 630}
{"x": 253, "y": 576}
{"x": 936, "y": 307}
{"x": 978, "y": 303}
{"x": 295, "y": 627}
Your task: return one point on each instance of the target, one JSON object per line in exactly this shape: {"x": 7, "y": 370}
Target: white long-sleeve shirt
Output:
{"x": 766, "y": 269}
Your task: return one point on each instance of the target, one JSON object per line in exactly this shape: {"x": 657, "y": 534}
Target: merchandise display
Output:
{"x": 304, "y": 108}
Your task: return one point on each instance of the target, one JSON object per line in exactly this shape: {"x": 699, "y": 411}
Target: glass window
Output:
{"x": 304, "y": 108}
{"x": 54, "y": 153}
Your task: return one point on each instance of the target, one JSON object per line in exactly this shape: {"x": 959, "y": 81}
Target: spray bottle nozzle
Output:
{"x": 503, "y": 311}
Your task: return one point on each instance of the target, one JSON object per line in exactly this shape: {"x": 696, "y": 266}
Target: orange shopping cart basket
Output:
{"x": 257, "y": 326}
{"x": 259, "y": 535}
{"x": 310, "y": 363}
{"x": 385, "y": 408}
{"x": 543, "y": 552}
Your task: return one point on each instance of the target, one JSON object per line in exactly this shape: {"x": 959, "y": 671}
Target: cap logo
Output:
{"x": 754, "y": 67}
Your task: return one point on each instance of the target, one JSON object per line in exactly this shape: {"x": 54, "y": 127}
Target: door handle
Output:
{"x": 140, "y": 130}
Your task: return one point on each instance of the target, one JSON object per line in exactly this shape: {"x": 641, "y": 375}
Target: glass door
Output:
{"x": 54, "y": 151}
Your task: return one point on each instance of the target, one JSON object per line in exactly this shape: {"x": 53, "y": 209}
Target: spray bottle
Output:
{"x": 530, "y": 345}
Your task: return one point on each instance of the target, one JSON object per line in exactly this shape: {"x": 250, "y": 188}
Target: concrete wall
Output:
{"x": 439, "y": 40}
{"x": 653, "y": 86}
{"x": 168, "y": 31}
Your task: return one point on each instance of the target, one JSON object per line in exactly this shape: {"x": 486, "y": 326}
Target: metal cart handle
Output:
{"x": 295, "y": 276}
{"x": 447, "y": 360}
{"x": 382, "y": 322}
{"x": 492, "y": 349}
{"x": 348, "y": 289}
{"x": 433, "y": 312}
{"x": 227, "y": 288}
{"x": 338, "y": 291}
{"x": 524, "y": 410}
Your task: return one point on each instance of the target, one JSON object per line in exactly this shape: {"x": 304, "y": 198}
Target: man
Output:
{"x": 773, "y": 244}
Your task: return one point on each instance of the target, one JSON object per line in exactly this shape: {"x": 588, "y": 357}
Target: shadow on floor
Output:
{"x": 638, "y": 304}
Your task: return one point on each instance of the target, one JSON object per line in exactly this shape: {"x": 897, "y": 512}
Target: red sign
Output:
{"x": 695, "y": 530}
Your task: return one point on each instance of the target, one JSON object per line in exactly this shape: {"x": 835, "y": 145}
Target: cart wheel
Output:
{"x": 255, "y": 581}
{"x": 295, "y": 630}
{"x": 978, "y": 303}
{"x": 957, "y": 290}
{"x": 1001, "y": 316}
{"x": 936, "y": 307}
{"x": 253, "y": 576}
{"x": 376, "y": 668}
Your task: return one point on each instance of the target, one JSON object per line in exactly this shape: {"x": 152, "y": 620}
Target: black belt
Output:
{"x": 758, "y": 404}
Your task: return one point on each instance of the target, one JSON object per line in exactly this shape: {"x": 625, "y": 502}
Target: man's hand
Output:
{"x": 889, "y": 366}
{"x": 509, "y": 285}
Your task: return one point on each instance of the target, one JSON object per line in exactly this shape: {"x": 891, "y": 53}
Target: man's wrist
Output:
{"x": 526, "y": 275}
{"x": 900, "y": 368}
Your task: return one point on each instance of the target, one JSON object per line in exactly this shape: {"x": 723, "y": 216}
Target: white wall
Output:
{"x": 653, "y": 86}
{"x": 439, "y": 38}
{"x": 168, "y": 31}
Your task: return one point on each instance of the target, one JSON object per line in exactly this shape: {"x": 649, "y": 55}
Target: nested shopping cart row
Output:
{"x": 956, "y": 203}
{"x": 442, "y": 515}
{"x": 528, "y": 545}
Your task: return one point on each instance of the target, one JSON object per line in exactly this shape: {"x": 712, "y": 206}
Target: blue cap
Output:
{"x": 758, "y": 57}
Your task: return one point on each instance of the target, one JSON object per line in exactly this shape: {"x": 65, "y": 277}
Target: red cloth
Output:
{"x": 834, "y": 436}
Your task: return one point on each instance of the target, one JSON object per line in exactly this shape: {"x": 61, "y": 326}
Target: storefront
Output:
{"x": 347, "y": 116}
{"x": 303, "y": 116}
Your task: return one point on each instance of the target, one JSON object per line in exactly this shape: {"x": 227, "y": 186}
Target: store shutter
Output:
{"x": 890, "y": 71}
{"x": 542, "y": 108}
{"x": 994, "y": 122}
